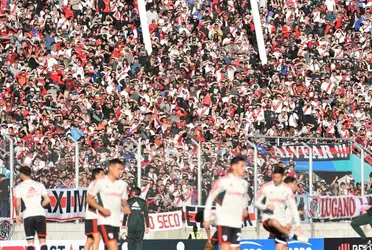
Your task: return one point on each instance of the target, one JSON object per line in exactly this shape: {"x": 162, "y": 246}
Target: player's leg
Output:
{"x": 131, "y": 237}
{"x": 213, "y": 243}
{"x": 224, "y": 238}
{"x": 30, "y": 230}
{"x": 139, "y": 238}
{"x": 88, "y": 224}
{"x": 280, "y": 247}
{"x": 93, "y": 235}
{"x": 96, "y": 241}
{"x": 42, "y": 232}
{"x": 112, "y": 245}
{"x": 88, "y": 242}
{"x": 235, "y": 238}
{"x": 361, "y": 220}
{"x": 272, "y": 223}
{"x": 281, "y": 241}
{"x": 110, "y": 236}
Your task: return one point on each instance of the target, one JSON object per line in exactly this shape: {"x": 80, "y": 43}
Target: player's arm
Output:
{"x": 18, "y": 205}
{"x": 208, "y": 231}
{"x": 259, "y": 199}
{"x": 291, "y": 202}
{"x": 125, "y": 219}
{"x": 44, "y": 194}
{"x": 146, "y": 214}
{"x": 124, "y": 198}
{"x": 288, "y": 217}
{"x": 246, "y": 200}
{"x": 217, "y": 188}
{"x": 91, "y": 200}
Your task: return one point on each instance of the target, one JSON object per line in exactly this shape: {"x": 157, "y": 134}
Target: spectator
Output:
{"x": 79, "y": 68}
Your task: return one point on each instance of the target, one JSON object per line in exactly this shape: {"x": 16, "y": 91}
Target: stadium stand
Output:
{"x": 77, "y": 71}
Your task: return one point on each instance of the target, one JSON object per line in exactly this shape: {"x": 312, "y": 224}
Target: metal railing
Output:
{"x": 201, "y": 156}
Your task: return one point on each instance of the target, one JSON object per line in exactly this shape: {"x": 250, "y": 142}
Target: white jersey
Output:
{"x": 31, "y": 193}
{"x": 109, "y": 195}
{"x": 90, "y": 213}
{"x": 231, "y": 195}
{"x": 281, "y": 197}
{"x": 288, "y": 216}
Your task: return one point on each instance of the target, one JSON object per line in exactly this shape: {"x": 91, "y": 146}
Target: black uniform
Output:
{"x": 361, "y": 220}
{"x": 135, "y": 222}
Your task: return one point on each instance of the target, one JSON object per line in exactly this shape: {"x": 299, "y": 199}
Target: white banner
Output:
{"x": 65, "y": 204}
{"x": 336, "y": 207}
{"x": 70, "y": 205}
{"x": 166, "y": 221}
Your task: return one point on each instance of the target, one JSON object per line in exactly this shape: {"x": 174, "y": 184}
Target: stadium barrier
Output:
{"x": 269, "y": 244}
{"x": 70, "y": 205}
{"x": 314, "y": 244}
{"x": 344, "y": 244}
{"x": 79, "y": 245}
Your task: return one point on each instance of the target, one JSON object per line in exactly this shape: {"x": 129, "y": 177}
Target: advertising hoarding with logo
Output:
{"x": 314, "y": 244}
{"x": 345, "y": 244}
{"x": 79, "y": 245}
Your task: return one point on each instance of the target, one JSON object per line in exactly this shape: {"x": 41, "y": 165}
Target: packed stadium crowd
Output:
{"x": 77, "y": 72}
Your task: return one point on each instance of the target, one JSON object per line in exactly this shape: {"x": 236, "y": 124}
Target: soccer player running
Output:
{"x": 135, "y": 221}
{"x": 111, "y": 194}
{"x": 231, "y": 195}
{"x": 31, "y": 193}
{"x": 292, "y": 183}
{"x": 361, "y": 220}
{"x": 278, "y": 196}
{"x": 91, "y": 226}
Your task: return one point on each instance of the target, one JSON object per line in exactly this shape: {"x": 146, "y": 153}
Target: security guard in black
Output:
{"x": 135, "y": 221}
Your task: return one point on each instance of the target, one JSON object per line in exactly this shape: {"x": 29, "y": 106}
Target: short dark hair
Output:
{"x": 96, "y": 172}
{"x": 289, "y": 179}
{"x": 237, "y": 159}
{"x": 279, "y": 170}
{"x": 137, "y": 191}
{"x": 25, "y": 170}
{"x": 114, "y": 161}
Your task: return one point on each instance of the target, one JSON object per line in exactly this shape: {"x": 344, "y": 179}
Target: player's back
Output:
{"x": 231, "y": 202}
{"x": 31, "y": 193}
{"x": 278, "y": 196}
{"x": 137, "y": 207}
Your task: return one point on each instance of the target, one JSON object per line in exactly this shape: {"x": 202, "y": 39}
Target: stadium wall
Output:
{"x": 70, "y": 231}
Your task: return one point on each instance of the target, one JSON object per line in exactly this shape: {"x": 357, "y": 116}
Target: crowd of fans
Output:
{"x": 76, "y": 72}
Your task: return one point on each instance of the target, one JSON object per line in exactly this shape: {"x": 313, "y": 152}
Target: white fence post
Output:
{"x": 77, "y": 157}
{"x": 199, "y": 183}
{"x": 255, "y": 187}
{"x": 139, "y": 166}
{"x": 362, "y": 171}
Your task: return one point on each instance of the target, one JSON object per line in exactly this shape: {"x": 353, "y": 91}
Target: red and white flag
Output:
{"x": 203, "y": 111}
